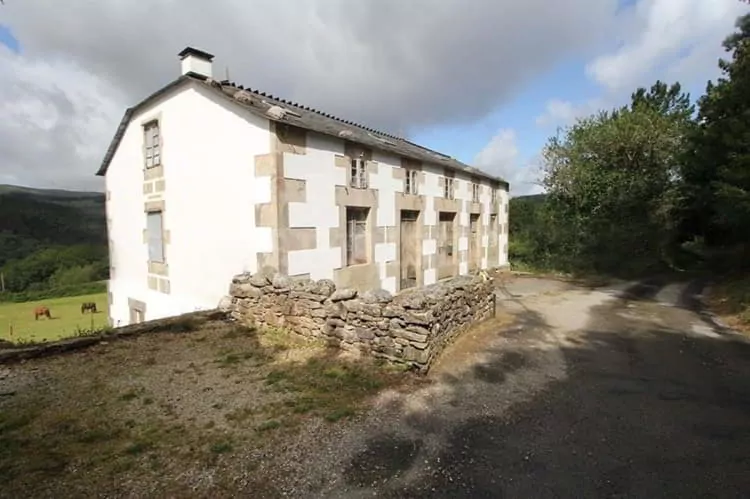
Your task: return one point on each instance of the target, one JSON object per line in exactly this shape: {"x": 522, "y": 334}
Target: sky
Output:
{"x": 485, "y": 81}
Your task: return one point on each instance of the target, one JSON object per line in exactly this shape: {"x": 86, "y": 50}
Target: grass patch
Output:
{"x": 131, "y": 394}
{"x": 138, "y": 448}
{"x": 271, "y": 424}
{"x": 17, "y": 323}
{"x": 329, "y": 387}
{"x": 221, "y": 447}
{"x": 730, "y": 299}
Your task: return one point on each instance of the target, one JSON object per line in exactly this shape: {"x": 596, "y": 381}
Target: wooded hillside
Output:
{"x": 52, "y": 242}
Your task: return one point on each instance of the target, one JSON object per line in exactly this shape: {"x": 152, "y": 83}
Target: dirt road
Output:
{"x": 617, "y": 392}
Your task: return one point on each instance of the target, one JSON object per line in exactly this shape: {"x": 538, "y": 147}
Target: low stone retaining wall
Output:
{"x": 179, "y": 323}
{"x": 411, "y": 327}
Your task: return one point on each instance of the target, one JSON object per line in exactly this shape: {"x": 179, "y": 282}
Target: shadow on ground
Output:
{"x": 644, "y": 410}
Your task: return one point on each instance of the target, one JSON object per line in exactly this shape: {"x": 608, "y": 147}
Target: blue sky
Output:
{"x": 495, "y": 86}
{"x": 565, "y": 81}
{"x": 7, "y": 38}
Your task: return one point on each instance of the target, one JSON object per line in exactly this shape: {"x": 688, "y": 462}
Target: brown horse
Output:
{"x": 88, "y": 305}
{"x": 41, "y": 311}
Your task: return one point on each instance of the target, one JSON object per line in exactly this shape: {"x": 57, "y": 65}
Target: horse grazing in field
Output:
{"x": 88, "y": 305}
{"x": 41, "y": 311}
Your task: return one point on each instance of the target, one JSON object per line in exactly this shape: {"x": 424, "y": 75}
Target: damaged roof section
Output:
{"x": 292, "y": 113}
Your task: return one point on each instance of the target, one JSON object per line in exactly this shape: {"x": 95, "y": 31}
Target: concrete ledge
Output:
{"x": 168, "y": 324}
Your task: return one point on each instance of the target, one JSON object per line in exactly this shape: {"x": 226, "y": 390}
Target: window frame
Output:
{"x": 358, "y": 173}
{"x": 356, "y": 235}
{"x": 150, "y": 237}
{"x": 475, "y": 191}
{"x": 449, "y": 188}
{"x": 410, "y": 182}
{"x": 154, "y": 149}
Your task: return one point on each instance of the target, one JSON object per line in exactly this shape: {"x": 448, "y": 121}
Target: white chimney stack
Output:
{"x": 196, "y": 61}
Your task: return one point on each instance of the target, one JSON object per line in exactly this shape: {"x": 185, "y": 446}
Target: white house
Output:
{"x": 206, "y": 179}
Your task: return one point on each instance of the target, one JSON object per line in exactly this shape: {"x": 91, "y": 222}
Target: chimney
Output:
{"x": 196, "y": 61}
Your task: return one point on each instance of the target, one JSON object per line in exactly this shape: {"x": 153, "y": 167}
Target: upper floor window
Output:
{"x": 411, "y": 182}
{"x": 152, "y": 143}
{"x": 448, "y": 190}
{"x": 493, "y": 192}
{"x": 474, "y": 192}
{"x": 358, "y": 177}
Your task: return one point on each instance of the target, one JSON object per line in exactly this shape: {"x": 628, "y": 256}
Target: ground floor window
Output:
{"x": 356, "y": 235}
{"x": 445, "y": 238}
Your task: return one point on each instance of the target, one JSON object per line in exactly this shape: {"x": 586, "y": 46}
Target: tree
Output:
{"x": 612, "y": 181}
{"x": 719, "y": 168}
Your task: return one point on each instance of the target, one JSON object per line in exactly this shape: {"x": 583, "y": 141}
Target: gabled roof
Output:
{"x": 283, "y": 111}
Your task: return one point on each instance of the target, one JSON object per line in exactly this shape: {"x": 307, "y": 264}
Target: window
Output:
{"x": 154, "y": 226}
{"x": 448, "y": 191}
{"x": 356, "y": 235}
{"x": 474, "y": 192}
{"x": 494, "y": 195}
{"x": 152, "y": 144}
{"x": 411, "y": 182}
{"x": 358, "y": 178}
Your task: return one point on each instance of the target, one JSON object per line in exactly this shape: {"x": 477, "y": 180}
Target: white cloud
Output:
{"x": 671, "y": 40}
{"x": 667, "y": 33}
{"x": 501, "y": 157}
{"x": 387, "y": 63}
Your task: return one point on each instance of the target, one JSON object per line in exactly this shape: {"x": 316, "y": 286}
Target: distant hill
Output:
{"x": 34, "y": 219}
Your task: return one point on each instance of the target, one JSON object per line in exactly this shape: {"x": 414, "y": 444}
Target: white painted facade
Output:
{"x": 208, "y": 150}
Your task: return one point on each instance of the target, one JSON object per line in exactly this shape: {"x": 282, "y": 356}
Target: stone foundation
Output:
{"x": 411, "y": 327}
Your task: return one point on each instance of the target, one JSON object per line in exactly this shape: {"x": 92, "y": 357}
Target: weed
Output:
{"x": 138, "y": 448}
{"x": 271, "y": 424}
{"x": 14, "y": 422}
{"x": 240, "y": 414}
{"x": 131, "y": 394}
{"x": 221, "y": 447}
{"x": 343, "y": 412}
{"x": 182, "y": 325}
{"x": 229, "y": 360}
{"x": 239, "y": 331}
{"x": 97, "y": 435}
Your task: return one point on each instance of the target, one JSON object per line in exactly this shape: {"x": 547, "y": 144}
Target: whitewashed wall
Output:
{"x": 208, "y": 154}
{"x": 317, "y": 168}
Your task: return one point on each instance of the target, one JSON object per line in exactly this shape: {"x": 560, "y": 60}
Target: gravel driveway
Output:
{"x": 612, "y": 392}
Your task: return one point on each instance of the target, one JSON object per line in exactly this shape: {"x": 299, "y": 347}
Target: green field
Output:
{"x": 17, "y": 322}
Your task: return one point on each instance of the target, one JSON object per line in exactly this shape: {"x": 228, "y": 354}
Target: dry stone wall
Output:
{"x": 411, "y": 327}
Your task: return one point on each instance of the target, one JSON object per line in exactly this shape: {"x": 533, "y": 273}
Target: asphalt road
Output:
{"x": 622, "y": 392}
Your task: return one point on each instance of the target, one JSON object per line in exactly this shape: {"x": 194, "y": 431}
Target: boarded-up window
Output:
{"x": 411, "y": 182}
{"x": 154, "y": 231}
{"x": 356, "y": 235}
{"x": 152, "y": 144}
{"x": 358, "y": 175}
{"x": 445, "y": 237}
{"x": 448, "y": 191}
